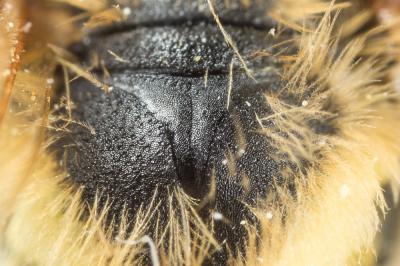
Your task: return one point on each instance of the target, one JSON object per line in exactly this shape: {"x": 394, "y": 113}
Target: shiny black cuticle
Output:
{"x": 167, "y": 123}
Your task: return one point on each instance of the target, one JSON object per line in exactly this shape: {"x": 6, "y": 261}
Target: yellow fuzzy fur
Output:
{"x": 339, "y": 200}
{"x": 337, "y": 211}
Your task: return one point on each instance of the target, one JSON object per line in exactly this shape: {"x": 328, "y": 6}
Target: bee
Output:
{"x": 163, "y": 132}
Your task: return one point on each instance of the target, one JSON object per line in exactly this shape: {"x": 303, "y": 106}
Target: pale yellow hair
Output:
{"x": 332, "y": 216}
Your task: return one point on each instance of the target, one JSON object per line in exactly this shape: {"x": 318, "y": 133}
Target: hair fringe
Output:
{"x": 333, "y": 215}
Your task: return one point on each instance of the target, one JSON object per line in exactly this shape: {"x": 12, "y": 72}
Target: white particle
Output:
{"x": 241, "y": 152}
{"x": 110, "y": 89}
{"x": 225, "y": 162}
{"x": 50, "y": 81}
{"x": 269, "y": 215}
{"x": 126, "y": 11}
{"x": 10, "y": 26}
{"x": 304, "y": 103}
{"x": 260, "y": 259}
{"x": 27, "y": 27}
{"x": 197, "y": 58}
{"x": 247, "y": 103}
{"x": 6, "y": 72}
{"x": 217, "y": 216}
{"x": 322, "y": 142}
{"x": 243, "y": 222}
{"x": 272, "y": 32}
{"x": 344, "y": 191}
